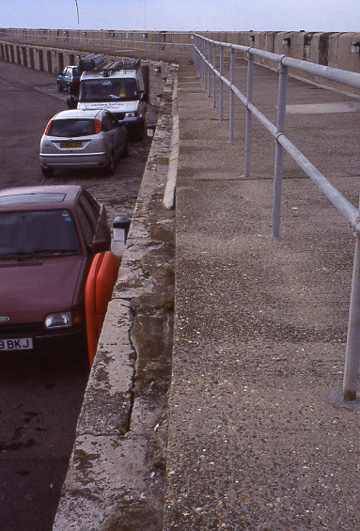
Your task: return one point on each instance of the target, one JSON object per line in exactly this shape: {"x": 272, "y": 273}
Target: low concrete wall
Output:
{"x": 52, "y": 49}
{"x": 152, "y": 45}
{"x": 330, "y": 49}
{"x": 54, "y": 60}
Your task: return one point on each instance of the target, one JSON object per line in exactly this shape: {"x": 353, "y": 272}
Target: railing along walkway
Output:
{"x": 209, "y": 58}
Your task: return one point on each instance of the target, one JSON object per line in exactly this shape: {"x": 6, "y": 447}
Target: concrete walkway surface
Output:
{"x": 256, "y": 440}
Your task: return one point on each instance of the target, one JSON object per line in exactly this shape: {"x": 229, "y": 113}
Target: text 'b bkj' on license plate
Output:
{"x": 24, "y": 343}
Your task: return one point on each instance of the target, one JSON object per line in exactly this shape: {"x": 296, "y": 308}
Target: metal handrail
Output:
{"x": 205, "y": 55}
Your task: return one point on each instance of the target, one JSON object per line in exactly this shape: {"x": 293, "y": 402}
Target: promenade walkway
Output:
{"x": 255, "y": 439}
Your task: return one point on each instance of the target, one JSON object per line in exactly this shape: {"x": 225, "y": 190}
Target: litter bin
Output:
{"x": 121, "y": 227}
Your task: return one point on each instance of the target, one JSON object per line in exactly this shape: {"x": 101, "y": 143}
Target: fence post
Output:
{"x": 214, "y": 75}
{"x": 232, "y": 95}
{"x": 209, "y": 67}
{"x": 197, "y": 50}
{"x": 198, "y": 53}
{"x": 352, "y": 357}
{"x": 279, "y": 150}
{"x": 195, "y": 54}
{"x": 248, "y": 127}
{"x": 221, "y": 113}
{"x": 203, "y": 71}
{"x": 206, "y": 71}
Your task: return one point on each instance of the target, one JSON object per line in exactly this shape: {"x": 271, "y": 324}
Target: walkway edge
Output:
{"x": 169, "y": 195}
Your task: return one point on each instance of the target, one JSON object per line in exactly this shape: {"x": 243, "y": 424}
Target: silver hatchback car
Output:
{"x": 82, "y": 139}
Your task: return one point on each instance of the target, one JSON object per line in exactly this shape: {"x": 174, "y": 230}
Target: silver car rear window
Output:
{"x": 72, "y": 128}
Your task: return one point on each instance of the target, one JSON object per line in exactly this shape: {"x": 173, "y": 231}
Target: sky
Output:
{"x": 184, "y": 15}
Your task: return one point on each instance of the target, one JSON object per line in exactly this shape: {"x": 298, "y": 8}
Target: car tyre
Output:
{"x": 140, "y": 132}
{"x": 110, "y": 169}
{"x": 125, "y": 153}
{"x": 47, "y": 172}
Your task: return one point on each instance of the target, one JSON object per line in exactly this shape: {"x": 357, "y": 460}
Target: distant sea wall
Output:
{"x": 39, "y": 48}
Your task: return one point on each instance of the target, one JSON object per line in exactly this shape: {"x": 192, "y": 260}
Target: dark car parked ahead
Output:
{"x": 48, "y": 238}
{"x": 69, "y": 79}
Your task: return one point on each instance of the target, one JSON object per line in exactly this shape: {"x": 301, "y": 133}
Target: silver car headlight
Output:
{"x": 59, "y": 320}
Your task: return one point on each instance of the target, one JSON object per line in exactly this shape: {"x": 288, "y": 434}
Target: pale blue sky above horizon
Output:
{"x": 184, "y": 15}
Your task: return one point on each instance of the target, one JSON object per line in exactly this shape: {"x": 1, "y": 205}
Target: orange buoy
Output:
{"x": 98, "y": 290}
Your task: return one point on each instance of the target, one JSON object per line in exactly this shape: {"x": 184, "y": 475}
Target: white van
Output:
{"x": 117, "y": 86}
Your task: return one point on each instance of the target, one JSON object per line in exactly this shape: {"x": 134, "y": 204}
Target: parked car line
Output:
{"x": 82, "y": 139}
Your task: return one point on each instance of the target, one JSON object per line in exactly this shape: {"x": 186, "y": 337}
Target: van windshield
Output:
{"x": 123, "y": 89}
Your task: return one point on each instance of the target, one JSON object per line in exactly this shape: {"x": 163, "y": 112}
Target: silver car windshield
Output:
{"x": 72, "y": 128}
{"x": 38, "y": 233}
{"x": 121, "y": 89}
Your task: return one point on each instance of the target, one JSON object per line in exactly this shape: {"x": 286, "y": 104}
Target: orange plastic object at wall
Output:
{"x": 98, "y": 290}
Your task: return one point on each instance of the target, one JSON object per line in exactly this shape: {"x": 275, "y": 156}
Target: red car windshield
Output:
{"x": 38, "y": 233}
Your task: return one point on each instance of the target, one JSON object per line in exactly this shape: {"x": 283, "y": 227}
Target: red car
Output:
{"x": 48, "y": 238}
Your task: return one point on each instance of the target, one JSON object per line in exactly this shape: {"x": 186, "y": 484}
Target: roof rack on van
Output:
{"x": 123, "y": 64}
{"x": 92, "y": 61}
{"x": 98, "y": 62}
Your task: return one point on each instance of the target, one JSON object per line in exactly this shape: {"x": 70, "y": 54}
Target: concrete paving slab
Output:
{"x": 323, "y": 108}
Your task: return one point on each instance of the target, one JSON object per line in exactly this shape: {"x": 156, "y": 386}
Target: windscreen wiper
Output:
{"x": 55, "y": 252}
{"x": 18, "y": 255}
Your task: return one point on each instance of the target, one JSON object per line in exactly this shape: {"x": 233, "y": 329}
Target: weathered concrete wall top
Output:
{"x": 339, "y": 50}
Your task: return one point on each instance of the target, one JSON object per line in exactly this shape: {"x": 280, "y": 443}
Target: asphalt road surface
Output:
{"x": 41, "y": 394}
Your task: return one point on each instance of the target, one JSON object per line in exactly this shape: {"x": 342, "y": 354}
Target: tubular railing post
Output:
{"x": 214, "y": 75}
{"x": 198, "y": 57}
{"x": 203, "y": 62}
{"x": 352, "y": 357}
{"x": 208, "y": 70}
{"x": 221, "y": 114}
{"x": 279, "y": 150}
{"x": 232, "y": 95}
{"x": 195, "y": 54}
{"x": 199, "y": 46}
{"x": 205, "y": 65}
{"x": 248, "y": 127}
{"x": 209, "y": 57}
